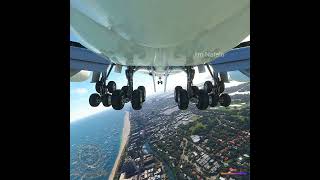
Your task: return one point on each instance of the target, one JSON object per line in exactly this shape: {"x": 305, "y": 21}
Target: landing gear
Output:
{"x": 183, "y": 99}
{"x": 117, "y": 99}
{"x": 182, "y": 96}
{"x": 103, "y": 94}
{"x": 124, "y": 90}
{"x": 99, "y": 86}
{"x": 109, "y": 95}
{"x": 137, "y": 100}
{"x": 142, "y": 90}
{"x": 106, "y": 100}
{"x": 224, "y": 100}
{"x": 203, "y": 100}
{"x": 208, "y": 87}
{"x": 94, "y": 100}
{"x": 137, "y": 96}
{"x": 103, "y": 91}
{"x": 176, "y": 93}
{"x": 211, "y": 94}
{"x": 160, "y": 81}
{"x": 127, "y": 94}
{"x": 213, "y": 100}
{"x": 112, "y": 86}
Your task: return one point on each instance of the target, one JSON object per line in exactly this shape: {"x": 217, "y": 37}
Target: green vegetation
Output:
{"x": 195, "y": 117}
{"x": 197, "y": 128}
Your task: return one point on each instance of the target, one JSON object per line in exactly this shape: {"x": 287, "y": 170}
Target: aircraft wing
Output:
{"x": 237, "y": 58}
{"x": 82, "y": 58}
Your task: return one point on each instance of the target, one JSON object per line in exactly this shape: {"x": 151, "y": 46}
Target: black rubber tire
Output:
{"x": 143, "y": 92}
{"x": 214, "y": 100}
{"x": 176, "y": 91}
{"x": 112, "y": 86}
{"x": 106, "y": 100}
{"x": 98, "y": 86}
{"x": 124, "y": 90}
{"x": 203, "y": 100}
{"x": 208, "y": 86}
{"x": 225, "y": 100}
{"x": 94, "y": 100}
{"x": 116, "y": 100}
{"x": 183, "y": 99}
{"x": 195, "y": 91}
{"x": 136, "y": 100}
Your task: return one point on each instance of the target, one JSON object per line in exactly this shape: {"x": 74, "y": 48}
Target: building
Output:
{"x": 195, "y": 138}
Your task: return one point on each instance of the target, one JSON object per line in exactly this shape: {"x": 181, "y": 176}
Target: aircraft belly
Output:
{"x": 160, "y": 33}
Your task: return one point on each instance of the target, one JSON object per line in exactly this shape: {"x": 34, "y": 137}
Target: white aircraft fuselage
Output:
{"x": 160, "y": 33}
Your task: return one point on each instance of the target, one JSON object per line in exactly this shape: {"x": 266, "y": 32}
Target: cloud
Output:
{"x": 80, "y": 91}
{"x": 84, "y": 111}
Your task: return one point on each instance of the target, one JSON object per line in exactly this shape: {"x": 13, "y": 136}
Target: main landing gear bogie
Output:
{"x": 211, "y": 94}
{"x": 109, "y": 95}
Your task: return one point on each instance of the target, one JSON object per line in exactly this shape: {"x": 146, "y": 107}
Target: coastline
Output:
{"x": 124, "y": 140}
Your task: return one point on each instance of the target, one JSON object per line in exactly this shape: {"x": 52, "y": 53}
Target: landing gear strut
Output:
{"x": 210, "y": 95}
{"x": 110, "y": 95}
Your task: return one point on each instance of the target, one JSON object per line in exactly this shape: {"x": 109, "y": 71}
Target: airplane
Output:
{"x": 159, "y": 38}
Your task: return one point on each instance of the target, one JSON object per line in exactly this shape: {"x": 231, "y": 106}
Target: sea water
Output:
{"x": 94, "y": 144}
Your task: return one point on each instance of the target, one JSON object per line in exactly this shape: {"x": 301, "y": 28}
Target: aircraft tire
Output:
{"x": 214, "y": 98}
{"x": 176, "y": 92}
{"x": 112, "y": 86}
{"x": 143, "y": 92}
{"x": 116, "y": 100}
{"x": 98, "y": 86}
{"x": 106, "y": 100}
{"x": 136, "y": 100}
{"x": 203, "y": 100}
{"x": 208, "y": 86}
{"x": 183, "y": 99}
{"x": 225, "y": 100}
{"x": 94, "y": 100}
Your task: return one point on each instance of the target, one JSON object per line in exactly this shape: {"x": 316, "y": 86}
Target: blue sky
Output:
{"x": 81, "y": 91}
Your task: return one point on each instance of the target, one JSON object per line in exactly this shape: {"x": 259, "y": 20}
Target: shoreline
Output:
{"x": 124, "y": 140}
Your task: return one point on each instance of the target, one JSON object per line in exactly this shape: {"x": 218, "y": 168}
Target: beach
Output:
{"x": 124, "y": 140}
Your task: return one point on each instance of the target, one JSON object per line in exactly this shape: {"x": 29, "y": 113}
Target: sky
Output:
{"x": 81, "y": 91}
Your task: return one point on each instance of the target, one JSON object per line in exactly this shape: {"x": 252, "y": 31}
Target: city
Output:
{"x": 167, "y": 143}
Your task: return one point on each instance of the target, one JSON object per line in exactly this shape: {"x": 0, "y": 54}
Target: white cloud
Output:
{"x": 233, "y": 83}
{"x": 85, "y": 111}
{"x": 80, "y": 91}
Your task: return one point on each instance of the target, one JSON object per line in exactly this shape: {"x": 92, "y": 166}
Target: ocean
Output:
{"x": 95, "y": 143}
